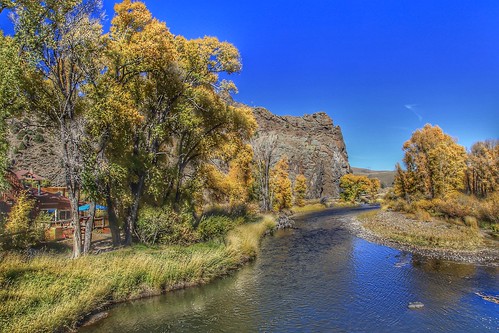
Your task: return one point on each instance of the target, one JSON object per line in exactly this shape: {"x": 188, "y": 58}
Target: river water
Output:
{"x": 321, "y": 278}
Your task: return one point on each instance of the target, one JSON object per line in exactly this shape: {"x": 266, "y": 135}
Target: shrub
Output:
{"x": 422, "y": 215}
{"x": 471, "y": 222}
{"x": 426, "y": 205}
{"x": 399, "y": 205}
{"x": 22, "y": 146}
{"x": 163, "y": 225}
{"x": 39, "y": 138}
{"x": 20, "y": 135}
{"x": 489, "y": 209}
{"x": 217, "y": 226}
{"x": 456, "y": 205}
{"x": 21, "y": 230}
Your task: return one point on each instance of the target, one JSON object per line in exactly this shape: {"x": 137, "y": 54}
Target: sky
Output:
{"x": 379, "y": 68}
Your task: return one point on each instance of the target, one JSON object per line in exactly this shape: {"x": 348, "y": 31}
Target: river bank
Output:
{"x": 51, "y": 292}
{"x": 319, "y": 277}
{"x": 437, "y": 240}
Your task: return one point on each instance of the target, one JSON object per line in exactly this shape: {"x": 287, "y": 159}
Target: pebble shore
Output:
{"x": 488, "y": 256}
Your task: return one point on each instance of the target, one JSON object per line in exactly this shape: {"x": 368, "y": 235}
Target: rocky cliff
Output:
{"x": 36, "y": 149}
{"x": 313, "y": 145}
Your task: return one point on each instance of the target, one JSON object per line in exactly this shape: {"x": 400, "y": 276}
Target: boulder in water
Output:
{"x": 415, "y": 305}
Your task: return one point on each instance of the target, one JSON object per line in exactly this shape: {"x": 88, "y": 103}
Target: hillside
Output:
{"x": 385, "y": 177}
{"x": 37, "y": 149}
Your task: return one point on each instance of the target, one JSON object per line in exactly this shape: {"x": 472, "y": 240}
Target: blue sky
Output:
{"x": 380, "y": 68}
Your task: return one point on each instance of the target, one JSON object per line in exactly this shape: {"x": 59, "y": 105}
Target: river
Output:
{"x": 321, "y": 278}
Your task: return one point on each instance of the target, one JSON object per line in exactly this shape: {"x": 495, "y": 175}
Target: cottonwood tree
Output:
{"x": 280, "y": 185}
{"x": 435, "y": 165}
{"x": 60, "y": 39}
{"x": 230, "y": 178}
{"x": 300, "y": 190}
{"x": 6, "y": 4}
{"x": 353, "y": 187}
{"x": 173, "y": 85}
{"x": 240, "y": 174}
{"x": 142, "y": 75}
{"x": 206, "y": 120}
{"x": 482, "y": 172}
{"x": 373, "y": 189}
{"x": 264, "y": 148}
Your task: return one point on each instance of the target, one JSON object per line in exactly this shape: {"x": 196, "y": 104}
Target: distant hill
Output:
{"x": 385, "y": 177}
{"x": 37, "y": 149}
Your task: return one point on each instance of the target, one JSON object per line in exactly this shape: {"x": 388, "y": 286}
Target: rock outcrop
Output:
{"x": 314, "y": 147}
{"x": 36, "y": 150}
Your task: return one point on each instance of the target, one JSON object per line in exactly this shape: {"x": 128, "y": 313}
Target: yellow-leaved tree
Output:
{"x": 435, "y": 165}
{"x": 21, "y": 228}
{"x": 354, "y": 186}
{"x": 300, "y": 190}
{"x": 373, "y": 189}
{"x": 280, "y": 185}
{"x": 230, "y": 181}
{"x": 482, "y": 174}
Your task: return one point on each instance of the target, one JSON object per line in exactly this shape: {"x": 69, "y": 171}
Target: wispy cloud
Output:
{"x": 413, "y": 108}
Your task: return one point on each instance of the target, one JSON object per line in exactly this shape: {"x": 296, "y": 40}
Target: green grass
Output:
{"x": 51, "y": 292}
{"x": 435, "y": 234}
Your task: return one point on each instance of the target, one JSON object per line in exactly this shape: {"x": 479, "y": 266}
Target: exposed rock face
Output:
{"x": 38, "y": 151}
{"x": 314, "y": 146}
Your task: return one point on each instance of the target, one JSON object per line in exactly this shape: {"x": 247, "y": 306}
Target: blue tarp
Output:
{"x": 86, "y": 207}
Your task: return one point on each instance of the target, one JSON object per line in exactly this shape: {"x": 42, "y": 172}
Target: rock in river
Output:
{"x": 415, "y": 305}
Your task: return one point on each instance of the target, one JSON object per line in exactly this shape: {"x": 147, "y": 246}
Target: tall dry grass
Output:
{"x": 308, "y": 208}
{"x": 244, "y": 240}
{"x": 456, "y": 208}
{"x": 51, "y": 292}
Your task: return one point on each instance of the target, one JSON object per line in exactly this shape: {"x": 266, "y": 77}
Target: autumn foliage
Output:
{"x": 143, "y": 115}
{"x": 300, "y": 190}
{"x": 482, "y": 173}
{"x": 442, "y": 180}
{"x": 354, "y": 186}
{"x": 280, "y": 185}
{"x": 435, "y": 165}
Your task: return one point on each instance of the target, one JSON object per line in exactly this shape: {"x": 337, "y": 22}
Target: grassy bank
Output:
{"x": 318, "y": 206}
{"x": 308, "y": 208}
{"x": 435, "y": 234}
{"x": 51, "y": 292}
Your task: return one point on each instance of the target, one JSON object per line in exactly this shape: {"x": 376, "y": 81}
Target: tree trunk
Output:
{"x": 73, "y": 198}
{"x": 89, "y": 227}
{"x": 113, "y": 220}
{"x": 131, "y": 219}
{"x": 176, "y": 203}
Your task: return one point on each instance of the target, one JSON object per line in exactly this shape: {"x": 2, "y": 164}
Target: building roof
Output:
{"x": 47, "y": 200}
{"x": 28, "y": 175}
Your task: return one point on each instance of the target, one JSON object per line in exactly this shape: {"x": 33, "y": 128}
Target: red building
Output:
{"x": 55, "y": 204}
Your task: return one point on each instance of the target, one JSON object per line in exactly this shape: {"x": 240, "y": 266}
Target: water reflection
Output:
{"x": 319, "y": 278}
